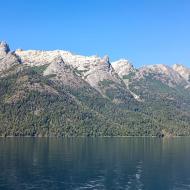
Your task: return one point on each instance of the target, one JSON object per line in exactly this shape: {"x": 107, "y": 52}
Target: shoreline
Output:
{"x": 93, "y": 137}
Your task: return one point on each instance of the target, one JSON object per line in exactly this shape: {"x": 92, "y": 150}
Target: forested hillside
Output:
{"x": 60, "y": 94}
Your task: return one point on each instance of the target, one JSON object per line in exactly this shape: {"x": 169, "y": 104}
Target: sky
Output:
{"x": 142, "y": 31}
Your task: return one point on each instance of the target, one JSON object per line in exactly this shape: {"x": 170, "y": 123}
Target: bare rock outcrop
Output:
{"x": 7, "y": 58}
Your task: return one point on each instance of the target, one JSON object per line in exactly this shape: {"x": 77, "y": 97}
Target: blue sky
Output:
{"x": 143, "y": 31}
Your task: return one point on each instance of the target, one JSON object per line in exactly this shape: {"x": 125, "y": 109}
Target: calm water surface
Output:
{"x": 94, "y": 163}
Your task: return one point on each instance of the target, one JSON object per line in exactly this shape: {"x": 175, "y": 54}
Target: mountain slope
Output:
{"x": 57, "y": 93}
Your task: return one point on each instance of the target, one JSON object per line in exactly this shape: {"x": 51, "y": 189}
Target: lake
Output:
{"x": 94, "y": 163}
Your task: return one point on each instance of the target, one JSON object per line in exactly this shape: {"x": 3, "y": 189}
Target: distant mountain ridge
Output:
{"x": 146, "y": 93}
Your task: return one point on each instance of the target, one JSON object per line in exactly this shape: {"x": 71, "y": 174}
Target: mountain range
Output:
{"x": 58, "y": 93}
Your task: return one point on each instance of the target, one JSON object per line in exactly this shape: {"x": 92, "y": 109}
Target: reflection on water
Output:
{"x": 94, "y": 163}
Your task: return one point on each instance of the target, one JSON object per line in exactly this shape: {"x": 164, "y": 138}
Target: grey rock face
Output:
{"x": 64, "y": 74}
{"x": 7, "y": 58}
{"x": 4, "y": 48}
{"x": 123, "y": 67}
{"x": 183, "y": 71}
{"x": 92, "y": 69}
{"x": 98, "y": 72}
{"x": 163, "y": 73}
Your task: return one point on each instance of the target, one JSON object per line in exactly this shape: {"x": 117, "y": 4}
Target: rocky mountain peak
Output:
{"x": 58, "y": 59}
{"x": 4, "y": 48}
{"x": 177, "y": 65}
{"x": 106, "y": 59}
{"x": 93, "y": 69}
{"x": 123, "y": 67}
{"x": 182, "y": 70}
{"x": 7, "y": 58}
{"x": 163, "y": 73}
{"x": 160, "y": 69}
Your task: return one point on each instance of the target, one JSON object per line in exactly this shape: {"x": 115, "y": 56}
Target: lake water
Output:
{"x": 94, "y": 163}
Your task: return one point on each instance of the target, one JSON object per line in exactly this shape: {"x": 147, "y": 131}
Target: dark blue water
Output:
{"x": 94, "y": 163}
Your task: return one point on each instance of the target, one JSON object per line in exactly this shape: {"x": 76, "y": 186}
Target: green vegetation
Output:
{"x": 106, "y": 83}
{"x": 34, "y": 105}
{"x": 39, "y": 69}
{"x": 129, "y": 76}
{"x": 80, "y": 72}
